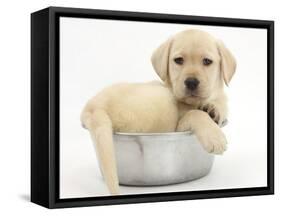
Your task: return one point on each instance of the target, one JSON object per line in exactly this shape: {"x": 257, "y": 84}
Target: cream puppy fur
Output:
{"x": 193, "y": 66}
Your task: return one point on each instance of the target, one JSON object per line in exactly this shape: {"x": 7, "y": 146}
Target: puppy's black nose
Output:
{"x": 191, "y": 83}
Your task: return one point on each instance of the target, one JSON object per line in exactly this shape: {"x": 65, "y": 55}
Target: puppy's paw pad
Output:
{"x": 212, "y": 111}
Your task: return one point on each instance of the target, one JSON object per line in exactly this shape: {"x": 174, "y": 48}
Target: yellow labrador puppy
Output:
{"x": 193, "y": 66}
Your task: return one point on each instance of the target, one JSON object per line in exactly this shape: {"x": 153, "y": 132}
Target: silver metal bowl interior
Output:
{"x": 150, "y": 159}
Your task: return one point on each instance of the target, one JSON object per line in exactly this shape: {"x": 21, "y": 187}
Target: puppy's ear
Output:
{"x": 227, "y": 64}
{"x": 160, "y": 59}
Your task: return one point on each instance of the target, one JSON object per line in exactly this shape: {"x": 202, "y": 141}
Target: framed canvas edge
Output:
{"x": 54, "y": 201}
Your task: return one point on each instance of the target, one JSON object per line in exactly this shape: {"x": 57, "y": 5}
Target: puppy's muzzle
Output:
{"x": 191, "y": 83}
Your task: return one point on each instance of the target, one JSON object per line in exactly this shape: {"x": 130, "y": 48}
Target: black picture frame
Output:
{"x": 45, "y": 106}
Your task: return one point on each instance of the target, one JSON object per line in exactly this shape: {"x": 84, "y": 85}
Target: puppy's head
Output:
{"x": 194, "y": 64}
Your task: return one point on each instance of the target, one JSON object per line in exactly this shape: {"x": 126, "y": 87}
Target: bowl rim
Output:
{"x": 153, "y": 134}
{"x": 224, "y": 123}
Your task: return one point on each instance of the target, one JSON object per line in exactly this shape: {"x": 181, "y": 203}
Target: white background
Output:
{"x": 15, "y": 108}
{"x": 97, "y": 53}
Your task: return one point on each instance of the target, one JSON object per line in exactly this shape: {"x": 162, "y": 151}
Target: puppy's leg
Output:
{"x": 100, "y": 127}
{"x": 206, "y": 130}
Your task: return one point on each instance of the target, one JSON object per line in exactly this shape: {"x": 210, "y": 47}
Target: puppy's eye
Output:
{"x": 179, "y": 60}
{"x": 207, "y": 61}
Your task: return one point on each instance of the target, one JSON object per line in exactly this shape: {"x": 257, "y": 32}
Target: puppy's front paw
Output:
{"x": 213, "y": 112}
{"x": 212, "y": 139}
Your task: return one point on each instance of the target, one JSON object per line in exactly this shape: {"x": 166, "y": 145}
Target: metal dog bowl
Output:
{"x": 147, "y": 159}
